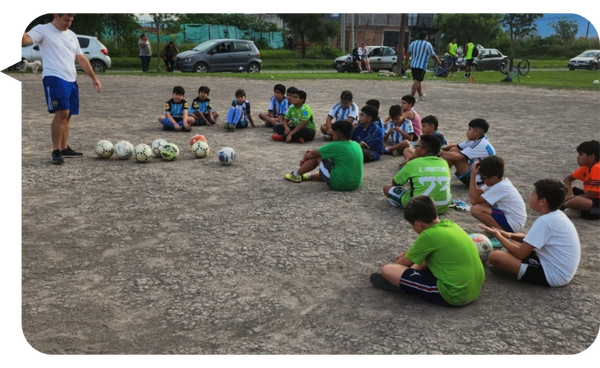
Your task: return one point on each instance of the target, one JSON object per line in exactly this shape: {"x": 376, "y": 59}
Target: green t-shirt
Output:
{"x": 453, "y": 259}
{"x": 297, "y": 115}
{"x": 430, "y": 176}
{"x": 347, "y": 156}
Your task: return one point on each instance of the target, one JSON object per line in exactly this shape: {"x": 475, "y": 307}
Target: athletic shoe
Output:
{"x": 69, "y": 152}
{"x": 422, "y": 98}
{"x": 277, "y": 137}
{"x": 230, "y": 127}
{"x": 379, "y": 282}
{"x": 57, "y": 158}
{"x": 294, "y": 178}
{"x": 300, "y": 140}
{"x": 326, "y": 137}
{"x": 305, "y": 177}
{"x": 396, "y": 153}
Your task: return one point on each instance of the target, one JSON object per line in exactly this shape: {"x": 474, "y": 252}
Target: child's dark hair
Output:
{"x": 430, "y": 119}
{"x": 492, "y": 166}
{"x": 370, "y": 111}
{"x": 279, "y": 87}
{"x": 346, "y": 96}
{"x": 343, "y": 127}
{"x": 420, "y": 208}
{"x": 373, "y": 102}
{"x": 292, "y": 90}
{"x": 240, "y": 93}
{"x": 204, "y": 89}
{"x": 590, "y": 148}
{"x": 300, "y": 93}
{"x": 554, "y": 191}
{"x": 479, "y": 123}
{"x": 431, "y": 143}
{"x": 408, "y": 99}
{"x": 179, "y": 90}
{"x": 395, "y": 110}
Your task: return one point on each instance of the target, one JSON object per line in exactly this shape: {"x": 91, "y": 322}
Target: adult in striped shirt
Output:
{"x": 419, "y": 52}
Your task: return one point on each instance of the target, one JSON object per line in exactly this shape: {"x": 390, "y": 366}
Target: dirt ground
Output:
{"x": 193, "y": 257}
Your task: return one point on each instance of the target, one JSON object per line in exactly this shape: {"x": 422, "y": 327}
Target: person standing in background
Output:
{"x": 145, "y": 51}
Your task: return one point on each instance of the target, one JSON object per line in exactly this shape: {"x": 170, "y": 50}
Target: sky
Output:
{"x": 545, "y": 29}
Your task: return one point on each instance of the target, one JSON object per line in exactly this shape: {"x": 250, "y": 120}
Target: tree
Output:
{"x": 303, "y": 25}
{"x": 518, "y": 26}
{"x": 565, "y": 29}
{"x": 160, "y": 20}
{"x": 323, "y": 33}
{"x": 240, "y": 21}
{"x": 480, "y": 28}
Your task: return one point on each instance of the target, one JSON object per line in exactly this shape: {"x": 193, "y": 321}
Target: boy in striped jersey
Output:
{"x": 278, "y": 106}
{"x": 343, "y": 110}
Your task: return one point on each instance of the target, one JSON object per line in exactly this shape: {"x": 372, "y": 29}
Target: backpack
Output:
{"x": 475, "y": 52}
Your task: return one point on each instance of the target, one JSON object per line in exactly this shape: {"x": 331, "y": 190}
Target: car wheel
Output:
{"x": 594, "y": 67}
{"x": 395, "y": 69}
{"x": 253, "y": 68}
{"x": 201, "y": 68}
{"x": 98, "y": 66}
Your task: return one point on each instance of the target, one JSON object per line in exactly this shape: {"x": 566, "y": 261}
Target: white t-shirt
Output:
{"x": 58, "y": 50}
{"x": 556, "y": 244}
{"x": 505, "y": 197}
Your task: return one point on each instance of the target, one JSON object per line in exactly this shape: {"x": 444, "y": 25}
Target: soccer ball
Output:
{"x": 226, "y": 155}
{"x": 596, "y": 82}
{"x": 200, "y": 149}
{"x": 124, "y": 150}
{"x": 169, "y": 151}
{"x": 143, "y": 152}
{"x": 196, "y": 138}
{"x": 157, "y": 146}
{"x": 104, "y": 148}
{"x": 483, "y": 244}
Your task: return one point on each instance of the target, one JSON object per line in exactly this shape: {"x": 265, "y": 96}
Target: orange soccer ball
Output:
{"x": 196, "y": 138}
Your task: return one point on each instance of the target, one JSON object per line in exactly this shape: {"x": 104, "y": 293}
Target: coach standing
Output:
{"x": 145, "y": 52}
{"x": 420, "y": 50}
{"x": 60, "y": 50}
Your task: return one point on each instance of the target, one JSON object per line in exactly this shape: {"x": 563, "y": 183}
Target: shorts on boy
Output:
{"x": 423, "y": 284}
{"x": 418, "y": 74}
{"x": 201, "y": 122}
{"x": 499, "y": 216}
{"x": 169, "y": 126}
{"x": 594, "y": 213}
{"x": 469, "y": 62}
{"x": 325, "y": 168}
{"x": 395, "y": 195}
{"x": 61, "y": 95}
{"x": 531, "y": 271}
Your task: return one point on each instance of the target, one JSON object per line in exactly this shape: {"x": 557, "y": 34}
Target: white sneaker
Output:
{"x": 422, "y": 98}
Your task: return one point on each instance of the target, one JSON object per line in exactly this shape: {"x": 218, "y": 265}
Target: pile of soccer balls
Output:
{"x": 124, "y": 150}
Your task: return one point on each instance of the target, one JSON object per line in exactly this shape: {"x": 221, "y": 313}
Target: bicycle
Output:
{"x": 443, "y": 69}
{"x": 519, "y": 70}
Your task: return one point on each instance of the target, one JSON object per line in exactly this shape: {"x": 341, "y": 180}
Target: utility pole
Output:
{"x": 403, "y": 18}
{"x": 352, "y": 23}
{"x": 343, "y": 32}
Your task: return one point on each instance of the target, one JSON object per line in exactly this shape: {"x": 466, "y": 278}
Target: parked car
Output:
{"x": 222, "y": 55}
{"x": 588, "y": 59}
{"x": 488, "y": 59}
{"x": 92, "y": 48}
{"x": 380, "y": 57}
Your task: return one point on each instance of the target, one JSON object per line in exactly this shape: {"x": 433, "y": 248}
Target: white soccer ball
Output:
{"x": 200, "y": 149}
{"x": 227, "y": 155}
{"x": 483, "y": 244}
{"x": 143, "y": 152}
{"x": 169, "y": 151}
{"x": 596, "y": 82}
{"x": 157, "y": 146}
{"x": 104, "y": 148}
{"x": 124, "y": 150}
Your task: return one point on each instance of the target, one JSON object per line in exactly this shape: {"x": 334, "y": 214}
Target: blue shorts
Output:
{"x": 325, "y": 171}
{"x": 424, "y": 284}
{"x": 61, "y": 95}
{"x": 500, "y": 218}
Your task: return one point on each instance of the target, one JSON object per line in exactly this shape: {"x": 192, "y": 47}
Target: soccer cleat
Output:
{"x": 379, "y": 282}
{"x": 69, "y": 152}
{"x": 277, "y": 137}
{"x": 294, "y": 178}
{"x": 57, "y": 158}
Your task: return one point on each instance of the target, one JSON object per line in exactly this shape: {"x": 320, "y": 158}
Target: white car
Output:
{"x": 92, "y": 48}
{"x": 586, "y": 60}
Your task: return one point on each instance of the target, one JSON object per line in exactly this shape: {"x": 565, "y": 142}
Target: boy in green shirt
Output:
{"x": 298, "y": 123}
{"x": 443, "y": 264}
{"x": 340, "y": 162}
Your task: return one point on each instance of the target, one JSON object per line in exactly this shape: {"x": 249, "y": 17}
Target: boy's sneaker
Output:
{"x": 300, "y": 140}
{"x": 230, "y": 127}
{"x": 69, "y": 152}
{"x": 305, "y": 177}
{"x": 294, "y": 178}
{"x": 57, "y": 158}
{"x": 277, "y": 137}
{"x": 422, "y": 98}
{"x": 379, "y": 282}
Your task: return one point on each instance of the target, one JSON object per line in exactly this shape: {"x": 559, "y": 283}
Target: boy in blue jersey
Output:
{"x": 278, "y": 105}
{"x": 238, "y": 115}
{"x": 375, "y": 103}
{"x": 202, "y": 110}
{"x": 176, "y": 115}
{"x": 368, "y": 135}
{"x": 343, "y": 110}
{"x": 420, "y": 50}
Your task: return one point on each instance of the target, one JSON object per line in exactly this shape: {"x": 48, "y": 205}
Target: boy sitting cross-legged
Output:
{"x": 299, "y": 122}
{"x": 586, "y": 200}
{"x": 278, "y": 106}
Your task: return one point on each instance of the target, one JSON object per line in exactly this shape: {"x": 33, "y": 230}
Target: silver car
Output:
{"x": 586, "y": 60}
{"x": 222, "y": 55}
{"x": 92, "y": 48}
{"x": 488, "y": 59}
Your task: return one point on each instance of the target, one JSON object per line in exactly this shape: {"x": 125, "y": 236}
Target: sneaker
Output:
{"x": 379, "y": 282}
{"x": 277, "y": 137}
{"x": 294, "y": 178}
{"x": 305, "y": 177}
{"x": 69, "y": 152}
{"x": 230, "y": 127}
{"x": 57, "y": 158}
{"x": 327, "y": 137}
{"x": 422, "y": 98}
{"x": 396, "y": 153}
{"x": 300, "y": 140}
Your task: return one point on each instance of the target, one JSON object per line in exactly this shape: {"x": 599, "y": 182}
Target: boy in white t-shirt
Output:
{"x": 550, "y": 252}
{"x": 497, "y": 203}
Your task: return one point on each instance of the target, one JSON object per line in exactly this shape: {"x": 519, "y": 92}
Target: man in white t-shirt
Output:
{"x": 60, "y": 50}
{"x": 497, "y": 203}
{"x": 550, "y": 252}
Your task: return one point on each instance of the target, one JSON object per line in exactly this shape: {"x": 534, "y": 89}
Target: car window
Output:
{"x": 84, "y": 43}
{"x": 387, "y": 52}
{"x": 225, "y": 47}
{"x": 375, "y": 52}
{"x": 242, "y": 46}
{"x": 494, "y": 53}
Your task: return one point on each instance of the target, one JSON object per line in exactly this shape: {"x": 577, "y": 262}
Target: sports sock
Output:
{"x": 295, "y": 173}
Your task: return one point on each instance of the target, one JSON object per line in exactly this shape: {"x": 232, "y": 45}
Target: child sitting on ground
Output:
{"x": 430, "y": 127}
{"x": 202, "y": 110}
{"x": 497, "y": 203}
{"x": 176, "y": 112}
{"x": 340, "y": 162}
{"x": 343, "y": 110}
{"x": 464, "y": 154}
{"x": 441, "y": 267}
{"x": 400, "y": 130}
{"x": 239, "y": 113}
{"x": 550, "y": 252}
{"x": 368, "y": 135}
{"x": 278, "y": 106}
{"x": 587, "y": 201}
{"x": 375, "y": 103}
{"x": 299, "y": 122}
